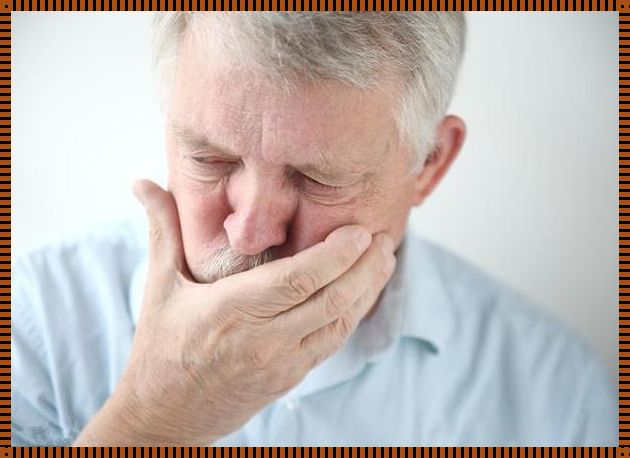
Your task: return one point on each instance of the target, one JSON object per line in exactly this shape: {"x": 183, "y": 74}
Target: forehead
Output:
{"x": 247, "y": 112}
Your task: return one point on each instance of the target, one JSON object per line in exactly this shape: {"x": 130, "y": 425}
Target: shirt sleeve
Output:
{"x": 34, "y": 418}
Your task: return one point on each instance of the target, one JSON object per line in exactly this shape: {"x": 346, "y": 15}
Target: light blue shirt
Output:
{"x": 450, "y": 357}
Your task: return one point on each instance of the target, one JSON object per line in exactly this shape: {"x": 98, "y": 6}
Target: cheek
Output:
{"x": 201, "y": 210}
{"x": 394, "y": 213}
{"x": 380, "y": 209}
{"x": 311, "y": 225}
{"x": 313, "y": 222}
{"x": 201, "y": 217}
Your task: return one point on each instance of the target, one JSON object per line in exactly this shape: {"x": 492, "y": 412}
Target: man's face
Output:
{"x": 260, "y": 173}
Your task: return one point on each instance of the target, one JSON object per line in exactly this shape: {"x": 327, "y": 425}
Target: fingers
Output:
{"x": 290, "y": 281}
{"x": 328, "y": 338}
{"x": 369, "y": 274}
{"x": 166, "y": 254}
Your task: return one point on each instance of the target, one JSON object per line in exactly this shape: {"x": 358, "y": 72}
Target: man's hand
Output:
{"x": 207, "y": 357}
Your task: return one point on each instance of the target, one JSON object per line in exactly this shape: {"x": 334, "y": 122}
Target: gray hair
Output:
{"x": 420, "y": 51}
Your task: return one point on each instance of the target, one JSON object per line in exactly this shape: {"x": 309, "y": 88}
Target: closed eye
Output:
{"x": 210, "y": 168}
{"x": 310, "y": 185}
{"x": 213, "y": 161}
{"x": 322, "y": 185}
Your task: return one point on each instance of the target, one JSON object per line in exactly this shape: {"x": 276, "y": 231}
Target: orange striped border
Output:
{"x": 624, "y": 227}
{"x": 622, "y": 6}
{"x": 316, "y": 5}
{"x": 318, "y": 452}
{"x": 5, "y": 223}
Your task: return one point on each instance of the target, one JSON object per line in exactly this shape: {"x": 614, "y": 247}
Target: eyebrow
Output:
{"x": 324, "y": 169}
{"x": 329, "y": 167}
{"x": 195, "y": 141}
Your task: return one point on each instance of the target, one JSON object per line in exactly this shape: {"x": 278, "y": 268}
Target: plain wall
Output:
{"x": 532, "y": 197}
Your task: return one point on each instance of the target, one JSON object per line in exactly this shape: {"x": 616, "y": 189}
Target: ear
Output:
{"x": 451, "y": 133}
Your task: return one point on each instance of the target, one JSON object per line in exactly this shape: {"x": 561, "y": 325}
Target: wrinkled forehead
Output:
{"x": 234, "y": 105}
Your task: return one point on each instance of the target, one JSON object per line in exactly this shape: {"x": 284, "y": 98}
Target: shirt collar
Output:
{"x": 428, "y": 312}
{"x": 414, "y": 304}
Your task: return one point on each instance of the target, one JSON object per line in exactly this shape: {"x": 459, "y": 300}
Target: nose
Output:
{"x": 262, "y": 208}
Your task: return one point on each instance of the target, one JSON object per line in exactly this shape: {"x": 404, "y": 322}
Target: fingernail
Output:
{"x": 364, "y": 238}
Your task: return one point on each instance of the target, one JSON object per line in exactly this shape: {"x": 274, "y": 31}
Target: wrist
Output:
{"x": 121, "y": 423}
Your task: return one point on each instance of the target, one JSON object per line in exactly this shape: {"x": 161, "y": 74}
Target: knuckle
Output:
{"x": 335, "y": 301}
{"x": 386, "y": 270}
{"x": 344, "y": 327}
{"x": 260, "y": 357}
{"x": 156, "y": 234}
{"x": 301, "y": 283}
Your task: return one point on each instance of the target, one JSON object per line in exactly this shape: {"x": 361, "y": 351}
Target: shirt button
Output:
{"x": 292, "y": 404}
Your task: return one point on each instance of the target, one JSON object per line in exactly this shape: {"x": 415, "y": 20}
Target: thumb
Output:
{"x": 166, "y": 253}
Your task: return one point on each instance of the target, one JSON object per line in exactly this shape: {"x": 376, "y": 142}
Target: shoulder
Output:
{"x": 117, "y": 243}
{"x": 481, "y": 305}
{"x": 517, "y": 355}
{"x": 78, "y": 278}
{"x": 71, "y": 328}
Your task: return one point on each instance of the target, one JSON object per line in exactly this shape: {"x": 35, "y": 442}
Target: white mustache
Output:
{"x": 226, "y": 261}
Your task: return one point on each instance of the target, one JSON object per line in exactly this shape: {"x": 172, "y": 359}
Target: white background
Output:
{"x": 532, "y": 197}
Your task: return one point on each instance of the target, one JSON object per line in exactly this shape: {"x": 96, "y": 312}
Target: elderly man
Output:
{"x": 281, "y": 301}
